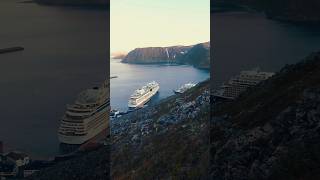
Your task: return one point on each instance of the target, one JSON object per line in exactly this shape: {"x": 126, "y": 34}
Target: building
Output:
{"x": 18, "y": 158}
{"x": 236, "y": 85}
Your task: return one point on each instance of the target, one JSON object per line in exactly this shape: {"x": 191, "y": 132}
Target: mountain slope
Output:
{"x": 272, "y": 131}
{"x": 197, "y": 55}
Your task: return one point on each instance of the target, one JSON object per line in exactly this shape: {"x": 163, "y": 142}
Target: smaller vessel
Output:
{"x": 184, "y": 88}
{"x": 114, "y": 113}
{"x": 143, "y": 95}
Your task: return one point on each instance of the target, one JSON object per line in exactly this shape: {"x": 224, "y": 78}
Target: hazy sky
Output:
{"x": 145, "y": 23}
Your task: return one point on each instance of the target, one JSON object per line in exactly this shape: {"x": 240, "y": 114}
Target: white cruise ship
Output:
{"x": 87, "y": 117}
{"x": 143, "y": 95}
{"x": 240, "y": 83}
{"x": 184, "y": 88}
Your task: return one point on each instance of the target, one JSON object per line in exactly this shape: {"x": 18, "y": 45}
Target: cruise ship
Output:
{"x": 87, "y": 117}
{"x": 184, "y": 88}
{"x": 240, "y": 83}
{"x": 143, "y": 95}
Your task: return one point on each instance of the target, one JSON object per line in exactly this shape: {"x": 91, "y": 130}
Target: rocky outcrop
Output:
{"x": 271, "y": 131}
{"x": 197, "y": 55}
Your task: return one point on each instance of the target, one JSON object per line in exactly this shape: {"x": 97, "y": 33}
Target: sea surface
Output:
{"x": 243, "y": 41}
{"x": 134, "y": 76}
{"x": 66, "y": 51}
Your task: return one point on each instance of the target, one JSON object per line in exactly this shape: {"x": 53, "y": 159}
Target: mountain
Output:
{"x": 75, "y": 2}
{"x": 304, "y": 11}
{"x": 156, "y": 54}
{"x": 272, "y": 130}
{"x": 197, "y": 55}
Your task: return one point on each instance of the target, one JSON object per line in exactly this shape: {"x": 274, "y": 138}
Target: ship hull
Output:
{"x": 147, "y": 99}
{"x": 92, "y": 133}
{"x": 82, "y": 139}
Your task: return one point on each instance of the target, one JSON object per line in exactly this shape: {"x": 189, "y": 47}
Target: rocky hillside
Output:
{"x": 272, "y": 131}
{"x": 197, "y": 55}
{"x": 166, "y": 141}
{"x": 306, "y": 11}
{"x": 75, "y": 2}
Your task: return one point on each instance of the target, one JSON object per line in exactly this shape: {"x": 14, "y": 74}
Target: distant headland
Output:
{"x": 98, "y": 3}
{"x": 197, "y": 55}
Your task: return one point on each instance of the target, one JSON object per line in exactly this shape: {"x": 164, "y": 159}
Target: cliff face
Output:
{"x": 197, "y": 55}
{"x": 272, "y": 130}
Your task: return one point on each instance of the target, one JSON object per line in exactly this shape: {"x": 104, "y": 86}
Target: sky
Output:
{"x": 158, "y": 23}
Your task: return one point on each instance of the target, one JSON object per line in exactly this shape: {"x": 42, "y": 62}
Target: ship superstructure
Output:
{"x": 143, "y": 95}
{"x": 87, "y": 117}
{"x": 235, "y": 86}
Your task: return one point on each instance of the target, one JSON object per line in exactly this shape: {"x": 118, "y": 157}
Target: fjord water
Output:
{"x": 134, "y": 76}
{"x": 243, "y": 41}
{"x": 65, "y": 53}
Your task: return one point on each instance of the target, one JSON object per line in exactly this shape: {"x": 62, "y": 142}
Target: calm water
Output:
{"x": 244, "y": 41}
{"x": 132, "y": 77}
{"x": 65, "y": 53}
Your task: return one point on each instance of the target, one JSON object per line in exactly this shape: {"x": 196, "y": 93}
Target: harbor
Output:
{"x": 134, "y": 76}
